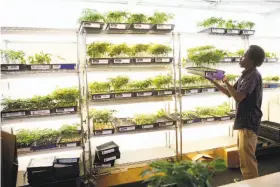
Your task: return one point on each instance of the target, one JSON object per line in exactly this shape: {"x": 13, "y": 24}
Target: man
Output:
{"x": 247, "y": 92}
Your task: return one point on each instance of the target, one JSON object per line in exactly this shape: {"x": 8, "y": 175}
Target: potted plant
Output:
{"x": 98, "y": 52}
{"x": 213, "y": 25}
{"x": 40, "y": 61}
{"x": 141, "y": 87}
{"x": 163, "y": 119}
{"x": 117, "y": 20}
{"x": 161, "y": 52}
{"x": 159, "y": 19}
{"x": 271, "y": 57}
{"x": 102, "y": 121}
{"x": 90, "y": 18}
{"x": 125, "y": 124}
{"x": 145, "y": 121}
{"x": 120, "y": 84}
{"x": 205, "y": 55}
{"x": 47, "y": 139}
{"x": 140, "y": 51}
{"x": 40, "y": 105}
{"x": 182, "y": 174}
{"x": 100, "y": 90}
{"x": 271, "y": 81}
{"x": 162, "y": 83}
{"x": 139, "y": 22}
{"x": 121, "y": 51}
{"x": 13, "y": 60}
{"x": 66, "y": 100}
{"x": 24, "y": 140}
{"x": 69, "y": 136}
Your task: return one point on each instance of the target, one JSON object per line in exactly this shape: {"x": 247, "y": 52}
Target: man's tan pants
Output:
{"x": 247, "y": 142}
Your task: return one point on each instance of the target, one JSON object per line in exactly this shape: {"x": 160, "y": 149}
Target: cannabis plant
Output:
{"x": 144, "y": 119}
{"x": 205, "y": 55}
{"x": 25, "y": 138}
{"x": 212, "y": 22}
{"x": 69, "y": 129}
{"x": 14, "y": 57}
{"x": 119, "y": 83}
{"x": 40, "y": 58}
{"x": 91, "y": 15}
{"x": 14, "y": 104}
{"x": 160, "y": 18}
{"x": 240, "y": 52}
{"x": 98, "y": 49}
{"x": 140, "y": 85}
{"x": 272, "y": 79}
{"x": 188, "y": 80}
{"x": 99, "y": 87}
{"x": 250, "y": 25}
{"x": 119, "y": 50}
{"x": 64, "y": 97}
{"x": 159, "y": 50}
{"x": 162, "y": 81}
{"x": 137, "y": 18}
{"x": 183, "y": 173}
{"x": 270, "y": 55}
{"x": 102, "y": 116}
{"x": 116, "y": 17}
{"x": 241, "y": 25}
{"x": 40, "y": 102}
{"x": 140, "y": 49}
{"x": 231, "y": 24}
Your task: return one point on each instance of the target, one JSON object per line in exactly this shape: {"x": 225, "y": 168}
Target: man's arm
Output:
{"x": 238, "y": 96}
{"x": 221, "y": 88}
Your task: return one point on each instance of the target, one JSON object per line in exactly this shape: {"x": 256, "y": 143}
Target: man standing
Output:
{"x": 247, "y": 92}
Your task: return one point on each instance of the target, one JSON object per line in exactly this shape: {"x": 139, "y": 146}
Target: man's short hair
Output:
{"x": 256, "y": 54}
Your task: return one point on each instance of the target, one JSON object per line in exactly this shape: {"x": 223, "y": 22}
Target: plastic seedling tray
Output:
{"x": 106, "y": 149}
{"x": 64, "y": 66}
{"x": 143, "y": 60}
{"x": 237, "y": 59}
{"x": 23, "y": 148}
{"x": 118, "y": 26}
{"x": 247, "y": 32}
{"x": 66, "y": 171}
{"x": 144, "y": 93}
{"x": 212, "y": 30}
{"x": 12, "y": 114}
{"x": 270, "y": 130}
{"x": 141, "y": 26}
{"x": 122, "y": 60}
{"x": 100, "y": 61}
{"x": 165, "y": 92}
{"x": 124, "y": 125}
{"x": 207, "y": 72}
{"x": 223, "y": 118}
{"x": 109, "y": 157}
{"x": 104, "y": 131}
{"x": 233, "y": 31}
{"x": 273, "y": 85}
{"x": 102, "y": 96}
{"x": 228, "y": 59}
{"x": 163, "y": 59}
{"x": 271, "y": 59}
{"x": 92, "y": 25}
{"x": 50, "y": 145}
{"x": 40, "y": 112}
{"x": 209, "y": 90}
{"x": 35, "y": 67}
{"x": 65, "y": 110}
{"x": 166, "y": 122}
{"x": 123, "y": 95}
{"x": 13, "y": 67}
{"x": 164, "y": 27}
{"x": 147, "y": 126}
{"x": 69, "y": 143}
{"x": 191, "y": 91}
{"x": 207, "y": 118}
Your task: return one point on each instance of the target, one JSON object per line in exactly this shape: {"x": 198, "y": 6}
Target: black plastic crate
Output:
{"x": 66, "y": 171}
{"x": 63, "y": 160}
{"x": 14, "y": 114}
{"x": 107, "y": 148}
{"x": 109, "y": 157}
{"x": 270, "y": 130}
{"x": 13, "y": 67}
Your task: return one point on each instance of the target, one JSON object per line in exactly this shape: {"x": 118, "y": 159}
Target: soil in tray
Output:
{"x": 70, "y": 140}
{"x": 100, "y": 128}
{"x": 123, "y": 124}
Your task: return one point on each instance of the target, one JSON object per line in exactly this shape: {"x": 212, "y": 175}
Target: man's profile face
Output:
{"x": 245, "y": 60}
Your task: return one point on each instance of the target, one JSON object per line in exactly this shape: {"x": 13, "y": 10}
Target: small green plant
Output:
{"x": 205, "y": 55}
{"x": 212, "y": 22}
{"x": 116, "y": 17}
{"x": 14, "y": 57}
{"x": 102, "y": 116}
{"x": 250, "y": 25}
{"x": 91, "y": 15}
{"x": 270, "y": 55}
{"x": 188, "y": 80}
{"x": 25, "y": 138}
{"x": 240, "y": 52}
{"x": 241, "y": 25}
{"x": 231, "y": 24}
{"x": 162, "y": 81}
{"x": 119, "y": 83}
{"x": 183, "y": 173}
{"x": 160, "y": 18}
{"x": 98, "y": 49}
{"x": 272, "y": 79}
{"x": 119, "y": 50}
{"x": 159, "y": 50}
{"x": 140, "y": 85}
{"x": 161, "y": 113}
{"x": 69, "y": 129}
{"x": 65, "y": 97}
{"x": 143, "y": 119}
{"x": 40, "y": 58}
{"x": 140, "y": 49}
{"x": 99, "y": 87}
{"x": 137, "y": 18}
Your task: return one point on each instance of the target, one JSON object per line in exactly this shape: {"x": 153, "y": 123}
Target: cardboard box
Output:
{"x": 231, "y": 157}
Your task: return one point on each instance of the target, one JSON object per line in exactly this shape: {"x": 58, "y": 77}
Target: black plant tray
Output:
{"x": 36, "y": 67}
{"x": 163, "y": 59}
{"x": 106, "y": 149}
{"x": 103, "y": 96}
{"x": 233, "y": 31}
{"x": 166, "y": 122}
{"x": 124, "y": 60}
{"x": 211, "y": 30}
{"x": 209, "y": 90}
{"x": 191, "y": 91}
{"x": 66, "y": 171}
{"x": 223, "y": 118}
{"x": 63, "y": 66}
{"x": 204, "y": 72}
{"x": 109, "y": 157}
{"x": 164, "y": 27}
{"x": 187, "y": 121}
{"x": 247, "y": 32}
{"x": 13, "y": 114}
{"x": 43, "y": 112}
{"x": 270, "y": 130}
{"x": 65, "y": 110}
{"x": 91, "y": 25}
{"x": 145, "y": 93}
{"x": 141, "y": 26}
{"x": 118, "y": 26}
{"x": 228, "y": 60}
{"x": 69, "y": 144}
{"x": 164, "y": 92}
{"x": 128, "y": 126}
{"x": 99, "y": 164}
{"x": 124, "y": 95}
{"x": 13, "y": 67}
{"x": 207, "y": 119}
{"x": 35, "y": 147}
{"x": 143, "y": 60}
{"x": 100, "y": 61}
{"x": 271, "y": 60}
{"x": 103, "y": 132}
{"x": 147, "y": 126}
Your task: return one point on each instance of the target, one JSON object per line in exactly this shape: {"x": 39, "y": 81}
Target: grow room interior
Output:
{"x": 51, "y": 27}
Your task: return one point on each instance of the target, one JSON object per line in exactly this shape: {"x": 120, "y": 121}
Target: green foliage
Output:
{"x": 205, "y": 55}
{"x": 162, "y": 81}
{"x": 99, "y": 87}
{"x": 221, "y": 110}
{"x": 137, "y": 18}
{"x": 270, "y": 55}
{"x": 160, "y": 18}
{"x": 241, "y": 25}
{"x": 231, "y": 77}
{"x": 65, "y": 96}
{"x": 119, "y": 82}
{"x": 140, "y": 85}
{"x": 182, "y": 174}
{"x": 14, "y": 57}
{"x": 119, "y": 50}
{"x": 91, "y": 15}
{"x": 272, "y": 78}
{"x": 212, "y": 22}
{"x": 69, "y": 129}
{"x": 189, "y": 114}
{"x": 101, "y": 116}
{"x": 249, "y": 24}
{"x": 187, "y": 80}
{"x": 161, "y": 113}
{"x": 116, "y": 17}
{"x": 40, "y": 58}
{"x": 240, "y": 52}
{"x": 98, "y": 49}
{"x": 25, "y": 138}
{"x": 139, "y": 48}
{"x": 159, "y": 49}
{"x": 143, "y": 119}
{"x": 231, "y": 24}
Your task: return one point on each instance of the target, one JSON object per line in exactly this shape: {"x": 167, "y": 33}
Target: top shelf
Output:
{"x": 228, "y": 32}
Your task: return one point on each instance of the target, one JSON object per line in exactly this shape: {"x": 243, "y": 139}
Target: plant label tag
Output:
{"x": 68, "y": 160}
{"x": 219, "y": 31}
{"x": 108, "y": 151}
{"x": 141, "y": 26}
{"x": 190, "y": 121}
{"x": 237, "y": 59}
{"x": 143, "y": 60}
{"x": 62, "y": 110}
{"x": 40, "y": 112}
{"x": 248, "y": 32}
{"x": 95, "y": 25}
{"x": 165, "y": 124}
{"x": 227, "y": 59}
{"x": 71, "y": 145}
{"x": 142, "y": 94}
{"x": 233, "y": 31}
{"x": 13, "y": 67}
{"x": 107, "y": 132}
{"x": 40, "y": 67}
{"x": 210, "y": 119}
{"x": 162, "y": 60}
{"x": 147, "y": 126}
{"x": 103, "y": 61}
{"x": 56, "y": 66}
{"x": 118, "y": 26}
{"x": 167, "y": 92}
{"x": 193, "y": 91}
{"x": 127, "y": 128}
{"x": 125, "y": 95}
{"x": 110, "y": 158}
{"x": 13, "y": 114}
{"x": 225, "y": 118}
{"x": 164, "y": 27}
{"x": 272, "y": 60}
{"x": 121, "y": 61}
{"x": 105, "y": 96}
